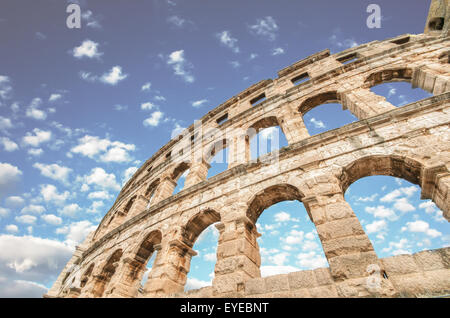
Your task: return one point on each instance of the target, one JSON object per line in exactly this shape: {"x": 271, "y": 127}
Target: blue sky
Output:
{"x": 82, "y": 109}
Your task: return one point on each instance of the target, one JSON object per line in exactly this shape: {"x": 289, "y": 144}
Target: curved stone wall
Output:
{"x": 410, "y": 142}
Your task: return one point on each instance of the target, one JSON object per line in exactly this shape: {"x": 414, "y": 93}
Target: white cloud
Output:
{"x": 294, "y": 237}
{"x": 311, "y": 260}
{"x": 102, "y": 195}
{"x": 102, "y": 180}
{"x": 5, "y": 87}
{"x": 14, "y": 201}
{"x": 26, "y": 219}
{"x": 199, "y": 103}
{"x": 9, "y": 176}
{"x": 88, "y": 76}
{"x": 235, "y": 64}
{"x": 3, "y": 212}
{"x": 368, "y": 199}
{"x": 210, "y": 257}
{"x": 428, "y": 206}
{"x": 277, "y": 51}
{"x": 39, "y": 137}
{"x": 87, "y": 49}
{"x": 282, "y": 217}
{"x": 50, "y": 194}
{"x": 76, "y": 232}
{"x": 266, "y": 27}
{"x": 382, "y": 212}
{"x": 91, "y": 21}
{"x": 95, "y": 207}
{"x": 30, "y": 258}
{"x": 5, "y": 123}
{"x": 226, "y": 39}
{"x": 194, "y": 283}
{"x": 147, "y": 106}
{"x": 338, "y": 40}
{"x": 8, "y": 144}
{"x": 154, "y": 119}
{"x": 421, "y": 227}
{"x": 253, "y": 56}
{"x": 376, "y": 226}
{"x": 54, "y": 97}
{"x": 317, "y": 123}
{"x": 35, "y": 152}
{"x": 180, "y": 65}
{"x": 176, "y": 21}
{"x": 51, "y": 219}
{"x": 114, "y": 76}
{"x": 146, "y": 86}
{"x": 11, "y": 228}
{"x": 391, "y": 196}
{"x": 268, "y": 270}
{"x": 128, "y": 173}
{"x": 70, "y": 210}
{"x": 279, "y": 259}
{"x": 403, "y": 205}
{"x": 53, "y": 171}
{"x": 33, "y": 209}
{"x": 34, "y": 112}
{"x": 113, "y": 151}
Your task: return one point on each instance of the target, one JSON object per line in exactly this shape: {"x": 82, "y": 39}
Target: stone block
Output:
{"x": 303, "y": 279}
{"x": 255, "y": 286}
{"x": 277, "y": 283}
{"x": 429, "y": 260}
{"x": 399, "y": 265}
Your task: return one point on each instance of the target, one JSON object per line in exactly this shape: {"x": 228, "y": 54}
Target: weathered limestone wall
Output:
{"x": 410, "y": 142}
{"x": 424, "y": 274}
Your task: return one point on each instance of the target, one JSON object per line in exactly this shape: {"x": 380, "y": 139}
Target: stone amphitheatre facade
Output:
{"x": 411, "y": 142}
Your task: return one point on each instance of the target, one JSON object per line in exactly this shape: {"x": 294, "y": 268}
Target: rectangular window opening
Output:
{"x": 168, "y": 155}
{"x": 150, "y": 169}
{"x": 222, "y": 119}
{"x": 346, "y": 59}
{"x": 258, "y": 99}
{"x": 401, "y": 40}
{"x": 302, "y": 78}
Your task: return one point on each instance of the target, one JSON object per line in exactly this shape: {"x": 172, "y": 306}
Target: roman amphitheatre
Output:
{"x": 410, "y": 142}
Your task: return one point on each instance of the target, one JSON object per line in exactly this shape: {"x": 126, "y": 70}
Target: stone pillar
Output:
{"x": 435, "y": 185}
{"x": 169, "y": 271}
{"x": 363, "y": 103}
{"x": 348, "y": 249}
{"x": 239, "y": 151}
{"x": 164, "y": 190}
{"x": 433, "y": 78}
{"x": 197, "y": 173}
{"x": 238, "y": 258}
{"x": 293, "y": 127}
{"x": 139, "y": 205}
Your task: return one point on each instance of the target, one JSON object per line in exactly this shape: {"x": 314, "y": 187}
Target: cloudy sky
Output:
{"x": 82, "y": 109}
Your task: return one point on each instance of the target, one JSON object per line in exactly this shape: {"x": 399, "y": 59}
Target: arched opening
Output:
{"x": 436, "y": 24}
{"x": 140, "y": 266}
{"x": 265, "y": 136}
{"x": 150, "y": 192}
{"x": 384, "y": 192}
{"x": 289, "y": 241}
{"x": 201, "y": 233}
{"x": 129, "y": 205}
{"x": 395, "y": 86}
{"x": 106, "y": 274}
{"x": 324, "y": 112}
{"x": 217, "y": 158}
{"x": 86, "y": 275}
{"x": 179, "y": 176}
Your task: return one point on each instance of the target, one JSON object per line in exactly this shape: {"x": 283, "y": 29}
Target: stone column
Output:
{"x": 197, "y": 173}
{"x": 169, "y": 271}
{"x": 139, "y": 205}
{"x": 363, "y": 103}
{"x": 238, "y": 258}
{"x": 293, "y": 127}
{"x": 435, "y": 185}
{"x": 239, "y": 151}
{"x": 433, "y": 78}
{"x": 164, "y": 189}
{"x": 348, "y": 249}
